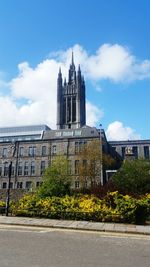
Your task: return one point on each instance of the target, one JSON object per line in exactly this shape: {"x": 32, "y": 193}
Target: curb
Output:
{"x": 81, "y": 225}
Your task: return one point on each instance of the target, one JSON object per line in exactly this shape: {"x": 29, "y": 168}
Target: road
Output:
{"x": 43, "y": 247}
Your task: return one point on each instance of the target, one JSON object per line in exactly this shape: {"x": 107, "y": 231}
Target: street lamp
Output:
{"x": 12, "y": 150}
{"x": 101, "y": 155}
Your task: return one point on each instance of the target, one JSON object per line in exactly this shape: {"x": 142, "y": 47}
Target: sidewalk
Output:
{"x": 78, "y": 225}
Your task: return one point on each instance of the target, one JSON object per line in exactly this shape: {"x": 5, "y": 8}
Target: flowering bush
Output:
{"x": 114, "y": 207}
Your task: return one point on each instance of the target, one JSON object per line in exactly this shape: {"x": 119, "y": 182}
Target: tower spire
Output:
{"x": 71, "y": 99}
{"x": 72, "y": 58}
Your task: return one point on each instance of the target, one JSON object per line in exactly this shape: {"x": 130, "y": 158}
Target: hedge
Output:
{"x": 114, "y": 207}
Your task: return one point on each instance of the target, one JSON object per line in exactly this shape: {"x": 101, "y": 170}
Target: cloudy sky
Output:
{"x": 111, "y": 42}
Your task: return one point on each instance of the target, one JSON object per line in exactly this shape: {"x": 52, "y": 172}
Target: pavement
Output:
{"x": 76, "y": 225}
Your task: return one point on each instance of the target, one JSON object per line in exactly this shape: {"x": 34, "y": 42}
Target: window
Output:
{"x": 79, "y": 146}
{"x": 20, "y": 168}
{"x": 85, "y": 164}
{"x": 4, "y": 153}
{"x": 32, "y": 168}
{"x": 32, "y": 151}
{"x": 28, "y": 185}
{"x": 21, "y": 151}
{"x": 54, "y": 150}
{"x": 69, "y": 167}
{"x": 76, "y": 166}
{"x": 73, "y": 109}
{"x": 5, "y": 169}
{"x": 43, "y": 150}
{"x": 19, "y": 185}
{"x": 11, "y": 185}
{"x": 12, "y": 170}
{"x": 146, "y": 152}
{"x": 42, "y": 166}
{"x": 77, "y": 184}
{"x": 26, "y": 169}
{"x": 135, "y": 151}
{"x": 4, "y": 185}
{"x": 123, "y": 151}
{"x": 76, "y": 147}
{"x": 85, "y": 184}
{"x": 38, "y": 184}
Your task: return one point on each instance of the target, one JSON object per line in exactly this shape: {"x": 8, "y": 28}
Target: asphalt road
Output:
{"x": 26, "y": 247}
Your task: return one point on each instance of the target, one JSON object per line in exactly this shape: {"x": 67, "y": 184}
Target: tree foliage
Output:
{"x": 133, "y": 177}
{"x": 91, "y": 161}
{"x": 56, "y": 180}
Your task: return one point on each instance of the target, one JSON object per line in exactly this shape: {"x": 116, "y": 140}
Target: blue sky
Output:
{"x": 110, "y": 40}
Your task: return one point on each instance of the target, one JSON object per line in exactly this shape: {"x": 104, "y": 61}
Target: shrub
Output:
{"x": 133, "y": 177}
{"x": 115, "y": 207}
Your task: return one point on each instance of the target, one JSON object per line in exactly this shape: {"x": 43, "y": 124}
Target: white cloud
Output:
{"x": 117, "y": 131}
{"x": 33, "y": 95}
{"x": 111, "y": 61}
{"x": 93, "y": 114}
{"x": 33, "y": 91}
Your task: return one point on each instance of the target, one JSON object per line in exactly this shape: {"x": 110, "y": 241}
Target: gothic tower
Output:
{"x": 71, "y": 99}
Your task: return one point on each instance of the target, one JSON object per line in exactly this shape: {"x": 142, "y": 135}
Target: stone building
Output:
{"x": 138, "y": 148}
{"x": 32, "y": 148}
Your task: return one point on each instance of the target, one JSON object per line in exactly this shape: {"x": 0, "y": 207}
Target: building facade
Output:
{"x": 33, "y": 151}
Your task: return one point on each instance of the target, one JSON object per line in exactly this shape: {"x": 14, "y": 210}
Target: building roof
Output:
{"x": 18, "y": 133}
{"x": 83, "y": 132}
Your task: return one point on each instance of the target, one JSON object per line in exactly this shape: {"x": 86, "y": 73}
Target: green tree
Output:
{"x": 133, "y": 177}
{"x": 56, "y": 180}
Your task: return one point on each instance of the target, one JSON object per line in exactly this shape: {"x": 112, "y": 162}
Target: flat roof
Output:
{"x": 26, "y": 132}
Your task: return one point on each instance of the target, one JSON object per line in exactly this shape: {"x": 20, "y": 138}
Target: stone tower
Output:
{"x": 71, "y": 99}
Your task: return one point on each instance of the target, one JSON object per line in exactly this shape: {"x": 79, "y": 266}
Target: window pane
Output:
{"x": 5, "y": 169}
{"x": 4, "y": 185}
{"x": 32, "y": 151}
{"x": 20, "y": 168}
{"x": 43, "y": 150}
{"x": 21, "y": 150}
{"x": 28, "y": 185}
{"x": 26, "y": 168}
{"x": 4, "y": 152}
{"x": 42, "y": 166}
{"x": 146, "y": 152}
{"x": 32, "y": 168}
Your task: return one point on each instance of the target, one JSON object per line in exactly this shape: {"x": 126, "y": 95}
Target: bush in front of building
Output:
{"x": 2, "y": 207}
{"x": 114, "y": 207}
{"x": 133, "y": 177}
